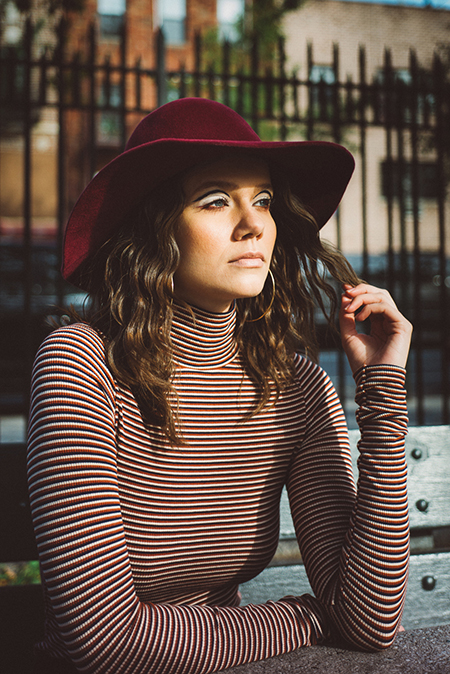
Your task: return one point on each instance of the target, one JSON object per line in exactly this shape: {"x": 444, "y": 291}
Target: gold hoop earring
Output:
{"x": 253, "y": 320}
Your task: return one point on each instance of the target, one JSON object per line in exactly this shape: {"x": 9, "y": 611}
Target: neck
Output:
{"x": 201, "y": 339}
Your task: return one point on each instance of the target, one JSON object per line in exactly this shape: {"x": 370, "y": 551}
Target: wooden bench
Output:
{"x": 428, "y": 601}
{"x": 428, "y": 596}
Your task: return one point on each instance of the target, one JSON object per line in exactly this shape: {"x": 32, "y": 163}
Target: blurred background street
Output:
{"x": 77, "y": 75}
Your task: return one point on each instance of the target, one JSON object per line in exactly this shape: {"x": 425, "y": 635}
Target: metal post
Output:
{"x": 362, "y": 138}
{"x": 27, "y": 193}
{"x": 59, "y": 62}
{"x": 123, "y": 83}
{"x": 198, "y": 65}
{"x": 226, "y": 49}
{"x": 92, "y": 58}
{"x": 442, "y": 103}
{"x": 282, "y": 94}
{"x": 310, "y": 86}
{"x": 390, "y": 174}
{"x": 416, "y": 294}
{"x": 161, "y": 84}
{"x": 254, "y": 84}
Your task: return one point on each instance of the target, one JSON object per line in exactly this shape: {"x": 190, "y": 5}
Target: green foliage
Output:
{"x": 265, "y": 21}
{"x": 20, "y": 573}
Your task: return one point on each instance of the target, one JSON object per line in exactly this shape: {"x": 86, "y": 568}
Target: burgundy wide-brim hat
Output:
{"x": 176, "y": 137}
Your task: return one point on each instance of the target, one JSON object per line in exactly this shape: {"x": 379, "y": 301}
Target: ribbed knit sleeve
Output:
{"x": 96, "y": 618}
{"x": 363, "y": 541}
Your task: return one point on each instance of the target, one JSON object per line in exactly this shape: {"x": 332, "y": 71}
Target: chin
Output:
{"x": 251, "y": 291}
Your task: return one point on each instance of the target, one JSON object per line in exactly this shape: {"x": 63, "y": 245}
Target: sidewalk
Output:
{"x": 425, "y": 651}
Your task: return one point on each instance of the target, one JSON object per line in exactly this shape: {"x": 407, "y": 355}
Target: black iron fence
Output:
{"x": 63, "y": 115}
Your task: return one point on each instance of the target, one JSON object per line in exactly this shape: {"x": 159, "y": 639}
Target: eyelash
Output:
{"x": 210, "y": 205}
{"x": 267, "y": 199}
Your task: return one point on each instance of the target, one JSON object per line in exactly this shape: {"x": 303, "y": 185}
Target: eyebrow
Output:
{"x": 226, "y": 185}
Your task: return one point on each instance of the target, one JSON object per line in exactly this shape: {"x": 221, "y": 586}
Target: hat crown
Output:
{"x": 192, "y": 119}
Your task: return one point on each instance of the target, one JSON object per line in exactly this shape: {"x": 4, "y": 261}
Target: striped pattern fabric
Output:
{"x": 143, "y": 545}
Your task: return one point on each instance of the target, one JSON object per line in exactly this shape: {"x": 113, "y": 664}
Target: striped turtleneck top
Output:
{"x": 143, "y": 545}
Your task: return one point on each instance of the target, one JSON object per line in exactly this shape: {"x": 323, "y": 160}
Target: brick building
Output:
{"x": 180, "y": 20}
{"x": 319, "y": 22}
{"x": 140, "y": 20}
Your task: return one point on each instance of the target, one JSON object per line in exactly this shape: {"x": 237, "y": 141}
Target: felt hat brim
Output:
{"x": 318, "y": 172}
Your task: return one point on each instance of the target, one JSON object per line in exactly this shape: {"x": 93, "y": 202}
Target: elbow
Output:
{"x": 366, "y": 636}
{"x": 389, "y": 638}
{"x": 378, "y": 645}
{"x": 366, "y": 643}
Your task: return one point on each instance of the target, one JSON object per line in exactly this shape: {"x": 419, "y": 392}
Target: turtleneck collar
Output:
{"x": 203, "y": 340}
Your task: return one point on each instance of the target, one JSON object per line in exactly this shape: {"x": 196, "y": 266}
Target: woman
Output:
{"x": 164, "y": 428}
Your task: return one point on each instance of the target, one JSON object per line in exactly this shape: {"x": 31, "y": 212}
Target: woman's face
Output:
{"x": 225, "y": 233}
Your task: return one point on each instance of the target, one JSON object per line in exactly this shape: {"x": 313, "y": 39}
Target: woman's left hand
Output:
{"x": 390, "y": 334}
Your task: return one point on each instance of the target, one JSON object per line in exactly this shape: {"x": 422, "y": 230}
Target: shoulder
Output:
{"x": 310, "y": 374}
{"x": 315, "y": 385}
{"x": 322, "y": 405}
{"x": 74, "y": 347}
{"x": 76, "y": 337}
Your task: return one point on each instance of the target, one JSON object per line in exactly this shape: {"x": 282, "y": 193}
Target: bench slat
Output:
{"x": 428, "y": 479}
{"x": 423, "y": 608}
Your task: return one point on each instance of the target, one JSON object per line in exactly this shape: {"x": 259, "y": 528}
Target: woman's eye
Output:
{"x": 264, "y": 202}
{"x": 218, "y": 202}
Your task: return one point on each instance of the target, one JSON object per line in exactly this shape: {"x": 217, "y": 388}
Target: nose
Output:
{"x": 250, "y": 224}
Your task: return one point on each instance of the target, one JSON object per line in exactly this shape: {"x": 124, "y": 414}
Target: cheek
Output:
{"x": 186, "y": 238}
{"x": 195, "y": 244}
{"x": 201, "y": 239}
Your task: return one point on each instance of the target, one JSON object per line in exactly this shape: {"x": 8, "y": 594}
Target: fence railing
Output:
{"x": 63, "y": 115}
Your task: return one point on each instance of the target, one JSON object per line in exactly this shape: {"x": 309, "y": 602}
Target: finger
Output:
{"x": 361, "y": 307}
{"x": 383, "y": 310}
{"x": 344, "y": 314}
{"x": 368, "y": 310}
{"x": 346, "y": 320}
{"x": 359, "y": 301}
{"x": 365, "y": 288}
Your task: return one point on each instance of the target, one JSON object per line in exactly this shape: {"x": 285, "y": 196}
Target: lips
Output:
{"x": 251, "y": 260}
{"x": 249, "y": 256}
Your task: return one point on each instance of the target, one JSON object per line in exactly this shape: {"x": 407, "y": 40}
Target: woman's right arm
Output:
{"x": 101, "y": 624}
{"x": 355, "y": 543}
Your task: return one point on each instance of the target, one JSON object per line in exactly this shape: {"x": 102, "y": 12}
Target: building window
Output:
{"x": 111, "y": 17}
{"x": 322, "y": 74}
{"x": 12, "y": 25}
{"x": 398, "y": 75}
{"x": 322, "y": 78}
{"x": 396, "y": 179}
{"x": 402, "y": 97}
{"x": 229, "y": 14}
{"x": 172, "y": 19}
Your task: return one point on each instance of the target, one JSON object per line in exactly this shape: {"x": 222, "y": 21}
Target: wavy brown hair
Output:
{"x": 129, "y": 281}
